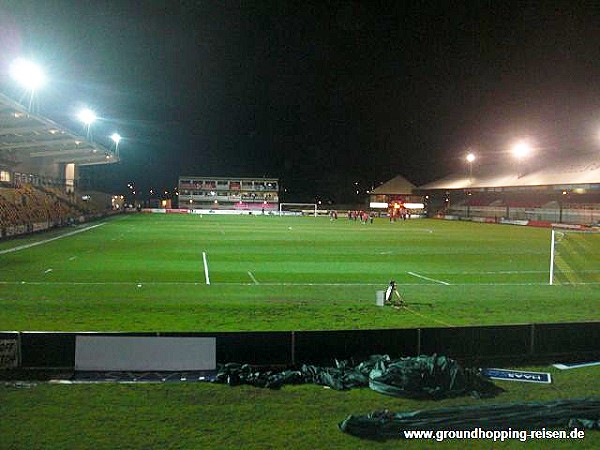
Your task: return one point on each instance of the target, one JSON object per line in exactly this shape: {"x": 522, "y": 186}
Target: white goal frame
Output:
{"x": 552, "y": 241}
{"x": 313, "y": 207}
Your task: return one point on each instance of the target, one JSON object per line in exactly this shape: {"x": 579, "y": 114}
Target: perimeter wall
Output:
{"x": 510, "y": 344}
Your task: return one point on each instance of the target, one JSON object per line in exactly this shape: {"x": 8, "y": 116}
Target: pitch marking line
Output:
{"x": 225, "y": 283}
{"x": 45, "y": 241}
{"x": 253, "y": 278}
{"x": 427, "y": 317}
{"x": 427, "y": 278}
{"x": 575, "y": 366}
{"x": 205, "y": 262}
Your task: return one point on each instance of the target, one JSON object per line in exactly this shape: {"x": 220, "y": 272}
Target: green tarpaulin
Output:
{"x": 382, "y": 425}
{"x": 429, "y": 377}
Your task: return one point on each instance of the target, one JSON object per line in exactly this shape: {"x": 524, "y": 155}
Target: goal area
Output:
{"x": 298, "y": 209}
{"x": 575, "y": 256}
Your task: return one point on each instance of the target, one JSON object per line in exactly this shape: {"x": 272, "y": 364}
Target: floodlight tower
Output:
{"x": 116, "y": 137}
{"x": 87, "y": 116}
{"x": 29, "y": 75}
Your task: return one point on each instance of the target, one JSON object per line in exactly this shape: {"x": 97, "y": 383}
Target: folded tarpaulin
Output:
{"x": 427, "y": 377}
{"x": 382, "y": 425}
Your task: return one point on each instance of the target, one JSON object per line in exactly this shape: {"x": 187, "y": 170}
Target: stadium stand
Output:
{"x": 552, "y": 209}
{"x": 27, "y": 206}
{"x": 39, "y": 162}
{"x": 557, "y": 192}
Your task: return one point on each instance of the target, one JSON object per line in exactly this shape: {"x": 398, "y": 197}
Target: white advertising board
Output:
{"x": 144, "y": 353}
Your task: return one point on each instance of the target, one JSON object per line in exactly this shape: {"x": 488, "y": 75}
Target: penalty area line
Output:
{"x": 205, "y": 262}
{"x": 427, "y": 278}
{"x": 254, "y": 280}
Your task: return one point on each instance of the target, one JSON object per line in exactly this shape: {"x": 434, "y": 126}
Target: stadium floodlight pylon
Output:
{"x": 298, "y": 209}
{"x": 575, "y": 256}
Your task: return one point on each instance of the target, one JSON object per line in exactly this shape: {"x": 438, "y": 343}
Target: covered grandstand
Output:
{"x": 39, "y": 171}
{"x": 395, "y": 195}
{"x": 556, "y": 191}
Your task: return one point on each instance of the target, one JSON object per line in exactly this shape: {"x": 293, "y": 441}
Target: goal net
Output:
{"x": 298, "y": 209}
{"x": 575, "y": 257}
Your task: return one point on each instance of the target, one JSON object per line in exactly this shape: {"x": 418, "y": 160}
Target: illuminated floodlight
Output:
{"x": 521, "y": 149}
{"x": 87, "y": 116}
{"x": 116, "y": 137}
{"x": 470, "y": 158}
{"x": 27, "y": 74}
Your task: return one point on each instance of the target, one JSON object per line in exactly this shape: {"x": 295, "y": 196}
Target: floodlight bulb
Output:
{"x": 521, "y": 149}
{"x": 87, "y": 116}
{"x": 27, "y": 73}
{"x": 470, "y": 157}
{"x": 116, "y": 137}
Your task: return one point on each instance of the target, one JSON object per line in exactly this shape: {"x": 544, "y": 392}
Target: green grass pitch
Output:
{"x": 157, "y": 272}
{"x": 147, "y": 273}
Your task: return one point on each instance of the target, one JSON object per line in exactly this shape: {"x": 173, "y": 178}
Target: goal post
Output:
{"x": 298, "y": 209}
{"x": 552, "y": 247}
{"x": 574, "y": 256}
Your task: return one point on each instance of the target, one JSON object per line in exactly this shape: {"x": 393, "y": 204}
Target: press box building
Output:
{"x": 252, "y": 194}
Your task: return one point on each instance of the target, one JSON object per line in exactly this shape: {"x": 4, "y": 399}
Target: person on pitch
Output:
{"x": 392, "y": 296}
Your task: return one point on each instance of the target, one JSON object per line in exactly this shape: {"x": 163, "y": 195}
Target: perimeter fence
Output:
{"x": 510, "y": 344}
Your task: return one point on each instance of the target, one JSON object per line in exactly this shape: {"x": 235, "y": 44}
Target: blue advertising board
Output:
{"x": 517, "y": 375}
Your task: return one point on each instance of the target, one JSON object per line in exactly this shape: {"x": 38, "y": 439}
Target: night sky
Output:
{"x": 318, "y": 94}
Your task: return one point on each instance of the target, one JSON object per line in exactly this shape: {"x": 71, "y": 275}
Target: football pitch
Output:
{"x": 157, "y": 272}
{"x": 144, "y": 272}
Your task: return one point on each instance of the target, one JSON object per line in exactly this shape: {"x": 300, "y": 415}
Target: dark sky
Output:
{"x": 319, "y": 94}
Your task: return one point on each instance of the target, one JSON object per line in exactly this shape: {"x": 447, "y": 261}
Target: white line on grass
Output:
{"x": 575, "y": 366}
{"x": 45, "y": 241}
{"x": 253, "y": 278}
{"x": 541, "y": 283}
{"x": 427, "y": 317}
{"x": 205, "y": 268}
{"x": 415, "y": 230}
{"x": 427, "y": 278}
{"x": 193, "y": 283}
